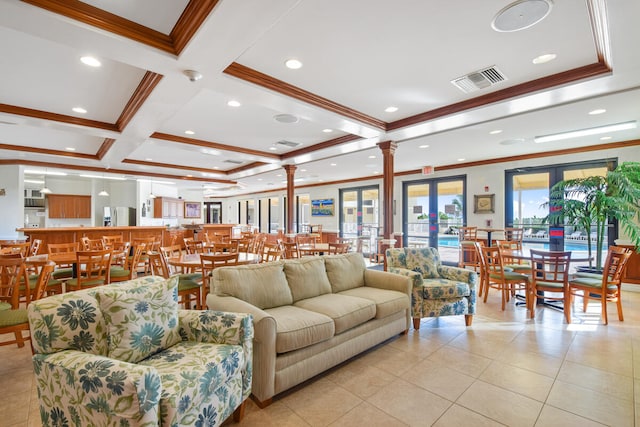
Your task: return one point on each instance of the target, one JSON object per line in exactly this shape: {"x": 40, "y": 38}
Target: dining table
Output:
{"x": 192, "y": 261}
{"x": 490, "y": 232}
{"x": 314, "y": 249}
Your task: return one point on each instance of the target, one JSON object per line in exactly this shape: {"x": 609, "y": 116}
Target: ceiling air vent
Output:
{"x": 235, "y": 162}
{"x": 479, "y": 79}
{"x": 289, "y": 144}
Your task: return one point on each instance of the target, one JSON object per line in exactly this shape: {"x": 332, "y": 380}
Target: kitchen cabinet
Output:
{"x": 69, "y": 206}
{"x": 168, "y": 207}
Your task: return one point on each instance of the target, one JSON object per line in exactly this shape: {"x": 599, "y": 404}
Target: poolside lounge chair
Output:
{"x": 576, "y": 235}
{"x": 527, "y": 233}
{"x": 540, "y": 234}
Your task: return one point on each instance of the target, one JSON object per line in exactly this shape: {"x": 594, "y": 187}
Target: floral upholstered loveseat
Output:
{"x": 126, "y": 355}
{"x": 437, "y": 290}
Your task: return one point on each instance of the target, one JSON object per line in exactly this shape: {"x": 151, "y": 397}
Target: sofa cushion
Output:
{"x": 387, "y": 301}
{"x": 298, "y": 328}
{"x": 444, "y": 288}
{"x": 346, "y": 311}
{"x": 140, "y": 320}
{"x": 262, "y": 285}
{"x": 193, "y": 375}
{"x": 345, "y": 271}
{"x": 306, "y": 277}
{"x": 423, "y": 260}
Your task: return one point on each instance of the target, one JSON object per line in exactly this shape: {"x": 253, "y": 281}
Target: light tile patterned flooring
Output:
{"x": 504, "y": 370}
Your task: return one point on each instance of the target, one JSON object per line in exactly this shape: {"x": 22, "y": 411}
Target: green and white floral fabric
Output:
{"x": 199, "y": 379}
{"x": 438, "y": 290}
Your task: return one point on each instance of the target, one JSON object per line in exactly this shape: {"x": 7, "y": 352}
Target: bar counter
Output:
{"x": 166, "y": 236}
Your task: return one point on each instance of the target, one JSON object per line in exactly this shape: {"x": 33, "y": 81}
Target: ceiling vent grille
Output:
{"x": 479, "y": 79}
{"x": 235, "y": 162}
{"x": 289, "y": 144}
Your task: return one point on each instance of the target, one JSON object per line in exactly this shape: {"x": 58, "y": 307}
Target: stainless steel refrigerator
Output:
{"x": 123, "y": 216}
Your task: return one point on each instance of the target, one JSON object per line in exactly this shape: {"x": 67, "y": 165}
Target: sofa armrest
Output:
{"x": 459, "y": 274}
{"x": 87, "y": 389}
{"x": 264, "y": 340}
{"x": 389, "y": 280}
{"x": 221, "y": 327}
{"x": 415, "y": 278}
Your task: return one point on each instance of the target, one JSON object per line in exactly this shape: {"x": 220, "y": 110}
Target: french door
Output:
{"x": 360, "y": 213}
{"x": 433, "y": 211}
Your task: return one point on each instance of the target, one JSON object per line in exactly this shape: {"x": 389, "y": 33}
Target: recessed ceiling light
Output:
{"x": 543, "y": 59}
{"x": 327, "y": 130}
{"x": 372, "y": 156}
{"x": 333, "y": 164}
{"x": 423, "y": 146}
{"x": 148, "y": 159}
{"x": 216, "y": 167}
{"x": 512, "y": 141}
{"x": 90, "y": 61}
{"x": 605, "y": 138}
{"x": 375, "y": 173}
{"x": 303, "y": 170}
{"x": 233, "y": 103}
{"x": 293, "y": 64}
{"x": 70, "y": 149}
{"x": 189, "y": 176}
{"x": 597, "y": 111}
{"x": 79, "y": 110}
{"x": 34, "y": 181}
{"x": 189, "y": 132}
{"x": 461, "y": 160}
{"x": 272, "y": 148}
{"x": 278, "y": 176}
{"x": 391, "y": 109}
{"x": 495, "y": 132}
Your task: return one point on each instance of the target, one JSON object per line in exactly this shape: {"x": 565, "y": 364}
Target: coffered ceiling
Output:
{"x": 145, "y": 117}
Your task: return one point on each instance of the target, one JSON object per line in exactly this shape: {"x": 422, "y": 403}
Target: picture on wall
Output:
{"x": 322, "y": 207}
{"x": 192, "y": 209}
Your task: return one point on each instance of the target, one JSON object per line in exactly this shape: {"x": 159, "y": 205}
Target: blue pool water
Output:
{"x": 452, "y": 241}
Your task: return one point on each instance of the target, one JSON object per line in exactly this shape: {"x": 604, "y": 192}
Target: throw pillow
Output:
{"x": 141, "y": 320}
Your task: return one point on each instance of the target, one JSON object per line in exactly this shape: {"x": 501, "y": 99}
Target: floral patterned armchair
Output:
{"x": 126, "y": 355}
{"x": 438, "y": 290}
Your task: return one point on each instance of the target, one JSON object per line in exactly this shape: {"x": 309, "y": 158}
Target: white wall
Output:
{"x": 478, "y": 177}
{"x": 12, "y": 202}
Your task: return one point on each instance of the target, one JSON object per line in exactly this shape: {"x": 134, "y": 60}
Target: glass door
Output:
{"x": 212, "y": 212}
{"x": 433, "y": 211}
{"x": 359, "y": 215}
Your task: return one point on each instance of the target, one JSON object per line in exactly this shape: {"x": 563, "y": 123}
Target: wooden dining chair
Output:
{"x": 172, "y": 251}
{"x": 209, "y": 262}
{"x": 306, "y": 245}
{"x": 110, "y": 241}
{"x": 607, "y": 288}
{"x": 495, "y": 275}
{"x": 338, "y": 248}
{"x": 290, "y": 250}
{"x": 21, "y": 248}
{"x": 128, "y": 270}
{"x": 93, "y": 269}
{"x": 550, "y": 280}
{"x": 517, "y": 264}
{"x": 14, "y": 320}
{"x": 468, "y": 233}
{"x": 62, "y": 271}
{"x": 35, "y": 247}
{"x": 12, "y": 273}
{"x": 271, "y": 252}
{"x": 193, "y": 246}
{"x": 188, "y": 287}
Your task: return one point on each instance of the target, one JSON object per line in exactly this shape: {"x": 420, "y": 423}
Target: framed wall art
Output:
{"x": 484, "y": 203}
{"x": 192, "y": 209}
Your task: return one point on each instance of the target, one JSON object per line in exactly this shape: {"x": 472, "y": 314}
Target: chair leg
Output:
{"x": 468, "y": 319}
{"x": 567, "y": 306}
{"x": 416, "y": 323}
{"x": 619, "y": 304}
{"x": 604, "y": 308}
{"x": 239, "y": 412}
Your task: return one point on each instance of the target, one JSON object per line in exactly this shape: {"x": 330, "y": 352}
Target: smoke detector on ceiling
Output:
{"x": 192, "y": 75}
{"x": 479, "y": 79}
{"x": 285, "y": 118}
{"x": 521, "y": 14}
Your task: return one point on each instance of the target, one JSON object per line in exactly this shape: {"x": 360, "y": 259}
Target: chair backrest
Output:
{"x": 469, "y": 255}
{"x": 43, "y": 279}
{"x": 92, "y": 244}
{"x": 53, "y": 248}
{"x": 492, "y": 262}
{"x": 290, "y": 250}
{"x": 271, "y": 252}
{"x": 225, "y": 247}
{"x": 209, "y": 262}
{"x": 35, "y": 247}
{"x": 306, "y": 240}
{"x": 244, "y": 244}
{"x": 12, "y": 272}
{"x": 93, "y": 266}
{"x": 171, "y": 251}
{"x": 468, "y": 233}
{"x": 512, "y": 234}
{"x": 109, "y": 241}
{"x": 21, "y": 248}
{"x": 194, "y": 246}
{"x": 614, "y": 266}
{"x": 338, "y": 248}
{"x": 550, "y": 269}
{"x": 158, "y": 264}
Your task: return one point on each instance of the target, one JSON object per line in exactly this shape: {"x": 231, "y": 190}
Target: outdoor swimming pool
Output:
{"x": 452, "y": 242}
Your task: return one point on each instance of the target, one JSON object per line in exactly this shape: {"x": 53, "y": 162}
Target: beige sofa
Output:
{"x": 311, "y": 314}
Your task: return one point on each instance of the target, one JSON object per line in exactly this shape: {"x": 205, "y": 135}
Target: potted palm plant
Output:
{"x": 590, "y": 202}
